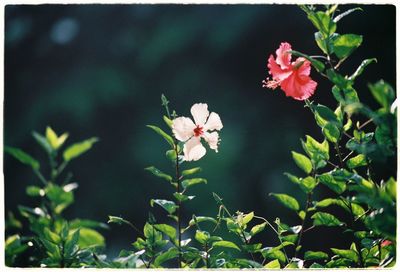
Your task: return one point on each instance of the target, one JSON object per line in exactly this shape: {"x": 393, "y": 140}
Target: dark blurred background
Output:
{"x": 99, "y": 70}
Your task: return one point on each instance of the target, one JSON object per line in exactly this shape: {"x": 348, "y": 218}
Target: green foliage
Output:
{"x": 354, "y": 139}
{"x": 325, "y": 219}
{"x": 77, "y": 149}
{"x": 288, "y": 201}
{"x": 22, "y": 156}
{"x": 302, "y": 162}
{"x": 57, "y": 241}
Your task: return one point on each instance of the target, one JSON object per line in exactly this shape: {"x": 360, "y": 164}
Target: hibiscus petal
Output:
{"x": 282, "y": 56}
{"x": 299, "y": 87}
{"x": 193, "y": 150}
{"x": 303, "y": 67}
{"x": 183, "y": 127}
{"x": 213, "y": 122}
{"x": 200, "y": 113}
{"x": 212, "y": 139}
{"x": 276, "y": 71}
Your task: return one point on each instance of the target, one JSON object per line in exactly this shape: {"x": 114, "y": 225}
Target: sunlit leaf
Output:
{"x": 357, "y": 161}
{"x": 225, "y": 244}
{"x": 160, "y": 132}
{"x": 168, "y": 205}
{"x": 325, "y": 219}
{"x": 167, "y": 230}
{"x": 158, "y": 173}
{"x": 190, "y": 182}
{"x": 288, "y": 201}
{"x": 315, "y": 255}
{"x": 77, "y": 149}
{"x": 345, "y": 44}
{"x": 22, "y": 156}
{"x": 302, "y": 162}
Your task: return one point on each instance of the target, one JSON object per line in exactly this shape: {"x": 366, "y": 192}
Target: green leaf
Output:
{"x": 315, "y": 255}
{"x": 202, "y": 236}
{"x": 190, "y": 182}
{"x": 51, "y": 236}
{"x": 225, "y": 244}
{"x": 86, "y": 223}
{"x": 171, "y": 253}
{"x": 71, "y": 243}
{"x": 149, "y": 232}
{"x": 167, "y": 230}
{"x": 55, "y": 141}
{"x": 357, "y": 161}
{"x": 390, "y": 188}
{"x": 273, "y": 265}
{"x": 117, "y": 220}
{"x": 252, "y": 248}
{"x": 273, "y": 253}
{"x": 335, "y": 185}
{"x": 200, "y": 219}
{"x": 325, "y": 219}
{"x": 317, "y": 266}
{"x": 89, "y": 238}
{"x": 347, "y": 12}
{"x": 383, "y": 94}
{"x": 346, "y": 253}
{"x": 158, "y": 173}
{"x": 12, "y": 222}
{"x": 77, "y": 149}
{"x": 348, "y": 125}
{"x": 302, "y": 162}
{"x": 167, "y": 121}
{"x": 315, "y": 150}
{"x": 160, "y": 132}
{"x": 171, "y": 155}
{"x": 308, "y": 184}
{"x": 361, "y": 68}
{"x": 288, "y": 201}
{"x": 331, "y": 132}
{"x": 192, "y": 171}
{"x": 318, "y": 65}
{"x": 247, "y": 218}
{"x": 23, "y": 157}
{"x": 42, "y": 141}
{"x": 59, "y": 197}
{"x": 169, "y": 206}
{"x": 181, "y": 197}
{"x": 34, "y": 191}
{"x": 345, "y": 44}
{"x": 292, "y": 178}
{"x": 325, "y": 113}
{"x": 257, "y": 229}
{"x": 322, "y": 22}
{"x": 338, "y": 79}
{"x": 290, "y": 238}
{"x": 327, "y": 202}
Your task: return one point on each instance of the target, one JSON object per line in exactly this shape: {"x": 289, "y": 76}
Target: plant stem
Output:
{"x": 366, "y": 123}
{"x": 179, "y": 209}
{"x": 277, "y": 233}
{"x": 206, "y": 251}
{"x": 339, "y": 155}
{"x": 40, "y": 176}
{"x": 308, "y": 202}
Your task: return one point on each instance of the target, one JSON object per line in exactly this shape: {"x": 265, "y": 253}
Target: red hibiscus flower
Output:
{"x": 293, "y": 77}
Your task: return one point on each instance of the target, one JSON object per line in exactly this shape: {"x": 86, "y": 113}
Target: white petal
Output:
{"x": 193, "y": 150}
{"x": 212, "y": 139}
{"x": 213, "y": 122}
{"x": 200, "y": 113}
{"x": 183, "y": 127}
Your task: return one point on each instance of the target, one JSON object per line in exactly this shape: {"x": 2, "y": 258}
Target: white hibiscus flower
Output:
{"x": 191, "y": 133}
